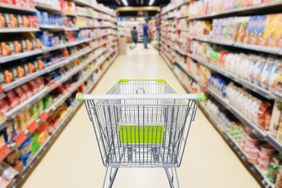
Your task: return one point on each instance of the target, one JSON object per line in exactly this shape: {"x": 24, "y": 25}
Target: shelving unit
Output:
{"x": 95, "y": 55}
{"x": 176, "y": 48}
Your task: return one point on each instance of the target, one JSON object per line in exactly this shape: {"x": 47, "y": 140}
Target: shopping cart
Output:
{"x": 141, "y": 123}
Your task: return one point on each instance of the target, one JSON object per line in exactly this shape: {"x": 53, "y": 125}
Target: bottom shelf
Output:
{"x": 258, "y": 174}
{"x": 20, "y": 179}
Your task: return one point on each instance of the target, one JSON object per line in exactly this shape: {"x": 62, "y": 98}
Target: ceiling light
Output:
{"x": 151, "y": 2}
{"x": 125, "y": 3}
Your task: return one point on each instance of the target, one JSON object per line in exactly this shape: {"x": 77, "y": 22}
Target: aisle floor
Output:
{"x": 74, "y": 160}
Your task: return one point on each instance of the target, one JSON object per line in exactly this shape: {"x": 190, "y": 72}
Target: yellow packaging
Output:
{"x": 277, "y": 34}
{"x": 269, "y": 29}
{"x": 275, "y": 30}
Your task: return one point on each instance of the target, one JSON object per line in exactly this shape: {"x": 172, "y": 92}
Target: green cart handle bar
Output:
{"x": 82, "y": 97}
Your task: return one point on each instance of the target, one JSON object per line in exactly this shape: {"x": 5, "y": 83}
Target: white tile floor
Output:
{"x": 74, "y": 160}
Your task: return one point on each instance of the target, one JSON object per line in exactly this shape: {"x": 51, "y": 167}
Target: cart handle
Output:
{"x": 82, "y": 97}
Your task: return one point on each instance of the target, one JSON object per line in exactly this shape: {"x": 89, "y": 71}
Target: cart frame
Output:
{"x": 148, "y": 130}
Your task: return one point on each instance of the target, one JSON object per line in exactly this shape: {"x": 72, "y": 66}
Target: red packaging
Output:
{"x": 26, "y": 90}
{"x": 33, "y": 22}
{"x": 40, "y": 82}
{"x": 20, "y": 92}
{"x": 33, "y": 86}
{"x": 4, "y": 106}
{"x": 13, "y": 99}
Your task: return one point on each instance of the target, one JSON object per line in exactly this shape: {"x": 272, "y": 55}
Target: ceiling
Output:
{"x": 113, "y": 3}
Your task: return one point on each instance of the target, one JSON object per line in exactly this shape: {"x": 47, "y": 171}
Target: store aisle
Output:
{"x": 74, "y": 160}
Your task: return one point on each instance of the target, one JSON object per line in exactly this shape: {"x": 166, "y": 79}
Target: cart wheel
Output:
{"x": 156, "y": 155}
{"x": 129, "y": 154}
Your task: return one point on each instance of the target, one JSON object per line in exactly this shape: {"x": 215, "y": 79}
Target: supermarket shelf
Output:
{"x": 60, "y": 126}
{"x": 104, "y": 26}
{"x": 180, "y": 52}
{"x": 251, "y": 86}
{"x": 20, "y": 56}
{"x": 85, "y": 15}
{"x": 52, "y": 28}
{"x": 176, "y": 7}
{"x": 47, "y": 89}
{"x": 254, "y": 170}
{"x": 82, "y": 3}
{"x": 7, "y": 87}
{"x": 258, "y": 174}
{"x": 62, "y": 98}
{"x": 61, "y": 80}
{"x": 87, "y": 27}
{"x": 46, "y": 146}
{"x": 48, "y": 8}
{"x": 71, "y": 15}
{"x": 278, "y": 96}
{"x": 264, "y": 49}
{"x": 258, "y": 131}
{"x": 182, "y": 17}
{"x": 18, "y": 30}
{"x": 255, "y": 128}
{"x": 71, "y": 28}
{"x": 274, "y": 142}
{"x": 188, "y": 74}
{"x": 57, "y": 47}
{"x": 75, "y": 43}
{"x": 244, "y": 10}
{"x": 17, "y": 8}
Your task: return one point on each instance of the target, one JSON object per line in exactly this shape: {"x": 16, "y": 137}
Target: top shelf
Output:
{"x": 17, "y": 8}
{"x": 176, "y": 7}
{"x": 241, "y": 11}
{"x": 82, "y": 3}
{"x": 49, "y": 8}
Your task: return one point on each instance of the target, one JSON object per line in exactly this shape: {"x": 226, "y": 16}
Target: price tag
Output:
{"x": 4, "y": 151}
{"x": 20, "y": 139}
{"x": 32, "y": 127}
{"x": 44, "y": 116}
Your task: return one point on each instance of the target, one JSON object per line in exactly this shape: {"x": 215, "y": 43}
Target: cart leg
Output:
{"x": 172, "y": 177}
{"x": 110, "y": 177}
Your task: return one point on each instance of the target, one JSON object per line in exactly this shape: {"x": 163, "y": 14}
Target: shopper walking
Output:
{"x": 146, "y": 34}
{"x": 134, "y": 37}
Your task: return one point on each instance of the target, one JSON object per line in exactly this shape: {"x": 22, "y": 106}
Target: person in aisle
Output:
{"x": 134, "y": 37}
{"x": 146, "y": 34}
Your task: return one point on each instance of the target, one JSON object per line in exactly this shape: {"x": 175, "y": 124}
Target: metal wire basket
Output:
{"x": 141, "y": 123}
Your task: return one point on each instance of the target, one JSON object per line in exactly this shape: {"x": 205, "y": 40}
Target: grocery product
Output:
{"x": 35, "y": 73}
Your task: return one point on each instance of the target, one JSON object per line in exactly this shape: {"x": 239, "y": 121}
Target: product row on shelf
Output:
{"x": 154, "y": 25}
{"x": 236, "y": 60}
{"x": 49, "y": 51}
